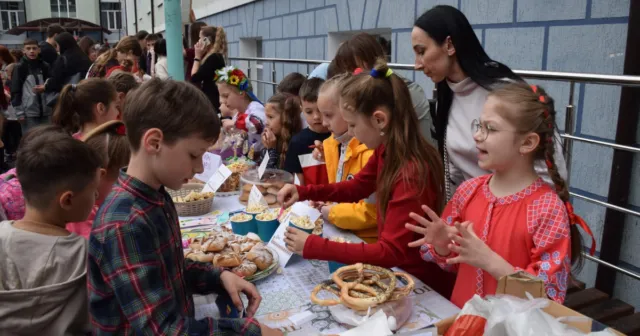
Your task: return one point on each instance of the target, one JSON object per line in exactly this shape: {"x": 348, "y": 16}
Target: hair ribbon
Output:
{"x": 357, "y": 71}
{"x": 121, "y": 130}
{"x": 577, "y": 220}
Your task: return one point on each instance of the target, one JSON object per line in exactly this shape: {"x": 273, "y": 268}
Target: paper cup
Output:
{"x": 244, "y": 227}
{"x": 266, "y": 228}
{"x": 334, "y": 266}
{"x": 309, "y": 231}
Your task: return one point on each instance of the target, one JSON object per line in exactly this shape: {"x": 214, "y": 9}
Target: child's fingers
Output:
{"x": 421, "y": 220}
{"x": 416, "y": 229}
{"x": 417, "y": 243}
{"x": 455, "y": 248}
{"x": 458, "y": 240}
{"x": 432, "y": 215}
{"x": 455, "y": 260}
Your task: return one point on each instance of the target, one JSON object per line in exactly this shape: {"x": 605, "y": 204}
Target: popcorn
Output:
{"x": 241, "y": 218}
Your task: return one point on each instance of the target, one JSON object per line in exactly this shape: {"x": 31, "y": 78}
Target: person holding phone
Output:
{"x": 210, "y": 55}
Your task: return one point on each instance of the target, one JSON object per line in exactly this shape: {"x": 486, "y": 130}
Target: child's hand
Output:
{"x": 318, "y": 152}
{"x": 227, "y": 125}
{"x": 234, "y": 285}
{"x": 316, "y": 205}
{"x": 436, "y": 232}
{"x": 325, "y": 210}
{"x": 288, "y": 195}
{"x": 268, "y": 139}
{"x": 295, "y": 240}
{"x": 473, "y": 251}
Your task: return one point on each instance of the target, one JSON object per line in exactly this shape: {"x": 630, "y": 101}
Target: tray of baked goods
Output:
{"x": 246, "y": 256}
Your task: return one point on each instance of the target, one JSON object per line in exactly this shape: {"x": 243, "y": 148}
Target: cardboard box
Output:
{"x": 518, "y": 284}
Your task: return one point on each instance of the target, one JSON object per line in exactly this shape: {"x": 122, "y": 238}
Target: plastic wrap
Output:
{"x": 398, "y": 313}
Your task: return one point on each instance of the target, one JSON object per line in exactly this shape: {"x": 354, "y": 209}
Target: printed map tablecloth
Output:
{"x": 287, "y": 292}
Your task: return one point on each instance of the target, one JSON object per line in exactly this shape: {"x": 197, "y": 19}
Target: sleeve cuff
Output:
{"x": 429, "y": 253}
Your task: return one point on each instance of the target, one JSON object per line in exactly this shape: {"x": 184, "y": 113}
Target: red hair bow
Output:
{"x": 577, "y": 220}
{"x": 121, "y": 130}
{"x": 357, "y": 71}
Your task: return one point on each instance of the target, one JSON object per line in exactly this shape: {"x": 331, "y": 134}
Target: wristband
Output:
{"x": 196, "y": 60}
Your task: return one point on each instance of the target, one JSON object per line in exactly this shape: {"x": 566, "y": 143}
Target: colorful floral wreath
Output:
{"x": 234, "y": 77}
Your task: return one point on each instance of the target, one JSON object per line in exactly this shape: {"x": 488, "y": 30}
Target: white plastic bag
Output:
{"x": 512, "y": 316}
{"x": 398, "y": 313}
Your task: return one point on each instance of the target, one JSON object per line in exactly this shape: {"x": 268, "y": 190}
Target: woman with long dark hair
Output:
{"x": 448, "y": 51}
{"x": 190, "y": 53}
{"x": 72, "y": 65}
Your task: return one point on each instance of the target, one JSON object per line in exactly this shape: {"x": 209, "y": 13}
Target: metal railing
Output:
{"x": 571, "y": 77}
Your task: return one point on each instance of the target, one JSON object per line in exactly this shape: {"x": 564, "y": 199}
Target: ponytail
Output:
{"x": 76, "y": 103}
{"x": 109, "y": 140}
{"x": 288, "y": 106}
{"x": 536, "y": 113}
{"x": 408, "y": 154}
{"x": 220, "y": 45}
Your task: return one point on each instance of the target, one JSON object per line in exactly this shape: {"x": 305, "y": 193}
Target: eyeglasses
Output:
{"x": 484, "y": 129}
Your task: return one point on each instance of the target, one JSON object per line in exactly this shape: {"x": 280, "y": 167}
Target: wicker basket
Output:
{"x": 195, "y": 208}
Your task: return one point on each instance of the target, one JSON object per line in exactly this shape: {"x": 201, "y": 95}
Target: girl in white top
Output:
{"x": 161, "y": 66}
{"x": 448, "y": 51}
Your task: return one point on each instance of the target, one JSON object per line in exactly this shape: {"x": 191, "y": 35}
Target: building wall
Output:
{"x": 557, "y": 35}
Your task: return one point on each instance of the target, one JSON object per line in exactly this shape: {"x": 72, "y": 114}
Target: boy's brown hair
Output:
{"x": 178, "y": 109}
{"x": 291, "y": 83}
{"x": 51, "y": 161}
{"x": 30, "y": 42}
{"x": 123, "y": 81}
{"x": 109, "y": 140}
{"x": 310, "y": 89}
{"x": 54, "y": 29}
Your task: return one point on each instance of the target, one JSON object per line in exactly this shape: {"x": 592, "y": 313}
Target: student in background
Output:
{"x": 124, "y": 83}
{"x": 344, "y": 156}
{"x": 44, "y": 266}
{"x": 283, "y": 123}
{"x": 128, "y": 49}
{"x": 83, "y": 107}
{"x": 167, "y": 149}
{"x": 48, "y": 48}
{"x": 109, "y": 140}
{"x": 210, "y": 55}
{"x": 299, "y": 160}
{"x": 291, "y": 83}
{"x": 27, "y": 88}
{"x": 12, "y": 132}
{"x": 161, "y": 66}
{"x": 150, "y": 55}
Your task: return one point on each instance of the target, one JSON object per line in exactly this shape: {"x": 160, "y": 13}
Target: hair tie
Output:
{"x": 357, "y": 71}
{"x": 376, "y": 74}
{"x": 577, "y": 220}
{"x": 121, "y": 130}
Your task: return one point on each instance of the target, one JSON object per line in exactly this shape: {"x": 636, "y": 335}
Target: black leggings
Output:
{"x": 11, "y": 136}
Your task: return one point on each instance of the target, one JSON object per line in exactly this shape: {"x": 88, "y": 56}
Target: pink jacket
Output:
{"x": 11, "y": 197}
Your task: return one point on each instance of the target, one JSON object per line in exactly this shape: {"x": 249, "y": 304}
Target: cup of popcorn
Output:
{"x": 302, "y": 223}
{"x": 242, "y": 224}
{"x": 267, "y": 223}
{"x": 334, "y": 265}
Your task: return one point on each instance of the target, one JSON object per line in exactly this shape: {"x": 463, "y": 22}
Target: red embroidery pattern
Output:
{"x": 547, "y": 220}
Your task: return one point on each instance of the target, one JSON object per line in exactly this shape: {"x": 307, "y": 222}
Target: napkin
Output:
{"x": 376, "y": 325}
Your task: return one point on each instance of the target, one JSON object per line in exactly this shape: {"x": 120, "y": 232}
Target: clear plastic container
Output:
{"x": 237, "y": 166}
{"x": 269, "y": 185}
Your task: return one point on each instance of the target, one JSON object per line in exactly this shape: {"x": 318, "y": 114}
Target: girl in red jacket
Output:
{"x": 405, "y": 171}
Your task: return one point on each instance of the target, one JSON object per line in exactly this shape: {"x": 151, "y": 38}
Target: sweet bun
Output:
{"x": 227, "y": 260}
{"x": 247, "y": 268}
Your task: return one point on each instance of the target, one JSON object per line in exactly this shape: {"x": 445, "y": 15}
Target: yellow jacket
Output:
{"x": 358, "y": 217}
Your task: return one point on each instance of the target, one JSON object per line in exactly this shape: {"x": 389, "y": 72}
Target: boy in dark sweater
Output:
{"x": 27, "y": 88}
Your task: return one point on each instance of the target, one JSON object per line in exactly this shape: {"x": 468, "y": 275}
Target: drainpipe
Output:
{"x": 153, "y": 18}
{"x": 173, "y": 35}
{"x": 135, "y": 13}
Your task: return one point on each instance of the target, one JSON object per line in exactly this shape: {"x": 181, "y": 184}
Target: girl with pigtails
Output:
{"x": 509, "y": 220}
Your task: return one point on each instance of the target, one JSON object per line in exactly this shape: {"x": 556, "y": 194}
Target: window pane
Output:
{"x": 54, "y": 8}
{"x": 5, "y": 20}
{"x": 118, "y": 20}
{"x": 103, "y": 17}
{"x": 14, "y": 19}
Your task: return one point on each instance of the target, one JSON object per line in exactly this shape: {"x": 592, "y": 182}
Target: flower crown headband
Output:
{"x": 235, "y": 77}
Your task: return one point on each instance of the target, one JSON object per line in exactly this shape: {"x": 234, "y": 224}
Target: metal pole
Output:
{"x": 568, "y": 128}
{"x": 173, "y": 34}
{"x": 153, "y": 17}
{"x": 135, "y": 14}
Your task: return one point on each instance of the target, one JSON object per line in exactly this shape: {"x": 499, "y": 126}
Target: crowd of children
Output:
{"x": 90, "y": 241}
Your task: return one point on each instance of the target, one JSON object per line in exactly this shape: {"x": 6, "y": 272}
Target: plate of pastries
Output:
{"x": 247, "y": 256}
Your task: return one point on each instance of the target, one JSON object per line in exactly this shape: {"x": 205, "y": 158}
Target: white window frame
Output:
{"x": 112, "y": 25}
{"x": 16, "y": 13}
{"x": 62, "y": 13}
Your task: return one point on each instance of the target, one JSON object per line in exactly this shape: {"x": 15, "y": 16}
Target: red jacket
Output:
{"x": 391, "y": 250}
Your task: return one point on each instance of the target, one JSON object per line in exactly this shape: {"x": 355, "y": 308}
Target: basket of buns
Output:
{"x": 247, "y": 256}
{"x": 269, "y": 185}
{"x": 191, "y": 201}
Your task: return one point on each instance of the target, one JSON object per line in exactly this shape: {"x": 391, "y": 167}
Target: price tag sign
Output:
{"x": 256, "y": 198}
{"x": 210, "y": 163}
{"x": 217, "y": 179}
{"x": 263, "y": 165}
{"x": 277, "y": 242}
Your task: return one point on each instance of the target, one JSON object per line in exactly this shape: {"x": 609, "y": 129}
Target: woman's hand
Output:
{"x": 318, "y": 152}
{"x": 295, "y": 239}
{"x": 471, "y": 250}
{"x": 200, "y": 50}
{"x": 435, "y": 231}
{"x": 288, "y": 195}
{"x": 268, "y": 139}
{"x": 326, "y": 210}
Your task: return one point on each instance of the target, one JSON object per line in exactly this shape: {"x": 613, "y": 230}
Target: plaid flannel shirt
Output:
{"x": 139, "y": 281}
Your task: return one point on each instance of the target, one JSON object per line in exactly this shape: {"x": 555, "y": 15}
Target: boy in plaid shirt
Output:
{"x": 139, "y": 280}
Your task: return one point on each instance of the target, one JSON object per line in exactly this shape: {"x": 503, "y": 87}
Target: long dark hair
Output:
{"x": 441, "y": 22}
{"x": 76, "y": 103}
{"x": 288, "y": 105}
